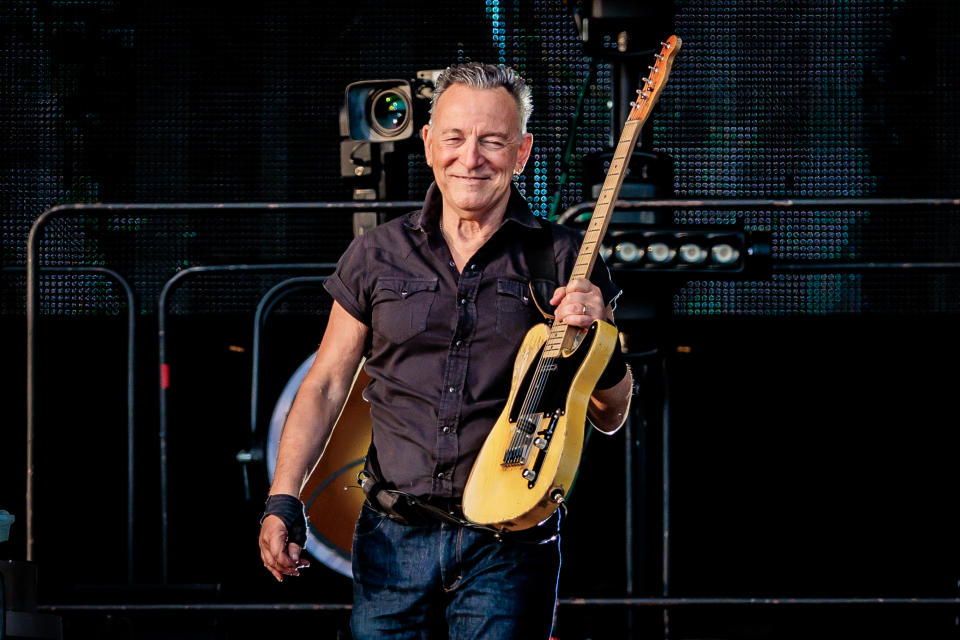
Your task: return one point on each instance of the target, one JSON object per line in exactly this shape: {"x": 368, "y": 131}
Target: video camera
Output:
{"x": 379, "y": 122}
{"x": 387, "y": 110}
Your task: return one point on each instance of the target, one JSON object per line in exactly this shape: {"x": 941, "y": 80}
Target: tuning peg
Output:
{"x": 646, "y": 81}
{"x": 653, "y": 69}
{"x": 665, "y": 44}
{"x": 658, "y": 56}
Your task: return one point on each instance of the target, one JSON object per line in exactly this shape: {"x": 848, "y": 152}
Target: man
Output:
{"x": 438, "y": 300}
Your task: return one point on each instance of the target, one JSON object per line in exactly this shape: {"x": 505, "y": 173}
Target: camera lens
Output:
{"x": 389, "y": 111}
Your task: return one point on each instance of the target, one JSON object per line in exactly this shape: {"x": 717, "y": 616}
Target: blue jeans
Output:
{"x": 441, "y": 581}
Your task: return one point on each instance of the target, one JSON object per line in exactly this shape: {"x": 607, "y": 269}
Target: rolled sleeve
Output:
{"x": 347, "y": 284}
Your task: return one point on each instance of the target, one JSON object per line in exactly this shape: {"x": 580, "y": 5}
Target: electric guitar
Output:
{"x": 529, "y": 460}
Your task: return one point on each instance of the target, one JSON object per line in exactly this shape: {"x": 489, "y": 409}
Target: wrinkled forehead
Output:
{"x": 464, "y": 107}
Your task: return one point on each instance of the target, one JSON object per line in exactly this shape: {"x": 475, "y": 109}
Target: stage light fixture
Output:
{"x": 628, "y": 252}
{"x": 692, "y": 253}
{"x": 723, "y": 253}
{"x": 660, "y": 253}
{"x": 638, "y": 248}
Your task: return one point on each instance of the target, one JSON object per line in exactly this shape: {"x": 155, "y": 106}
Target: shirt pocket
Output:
{"x": 516, "y": 312}
{"x": 401, "y": 306}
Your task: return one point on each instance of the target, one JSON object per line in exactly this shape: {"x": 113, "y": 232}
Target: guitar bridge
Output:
{"x": 518, "y": 450}
{"x": 544, "y": 438}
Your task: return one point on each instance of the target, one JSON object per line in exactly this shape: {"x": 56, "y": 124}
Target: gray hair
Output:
{"x": 487, "y": 76}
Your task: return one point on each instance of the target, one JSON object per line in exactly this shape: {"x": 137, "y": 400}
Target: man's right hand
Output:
{"x": 280, "y": 557}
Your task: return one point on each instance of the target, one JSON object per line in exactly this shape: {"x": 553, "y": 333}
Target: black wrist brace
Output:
{"x": 289, "y": 509}
{"x": 615, "y": 370}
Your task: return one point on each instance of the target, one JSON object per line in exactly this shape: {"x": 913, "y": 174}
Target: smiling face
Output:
{"x": 474, "y": 145}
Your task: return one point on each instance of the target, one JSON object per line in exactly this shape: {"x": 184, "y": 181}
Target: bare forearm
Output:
{"x": 319, "y": 401}
{"x": 305, "y": 434}
{"x": 608, "y": 407}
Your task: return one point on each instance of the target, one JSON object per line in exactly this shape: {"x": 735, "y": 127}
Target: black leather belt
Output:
{"x": 412, "y": 510}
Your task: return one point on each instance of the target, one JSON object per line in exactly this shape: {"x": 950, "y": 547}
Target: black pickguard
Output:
{"x": 555, "y": 384}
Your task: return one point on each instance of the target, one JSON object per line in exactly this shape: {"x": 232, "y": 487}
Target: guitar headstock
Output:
{"x": 653, "y": 84}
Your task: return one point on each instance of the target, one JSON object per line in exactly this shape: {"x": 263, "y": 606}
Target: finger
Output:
{"x": 270, "y": 565}
{"x": 296, "y": 552}
{"x": 276, "y": 574}
{"x": 581, "y": 285}
{"x": 273, "y": 548}
{"x": 578, "y": 315}
{"x": 558, "y": 295}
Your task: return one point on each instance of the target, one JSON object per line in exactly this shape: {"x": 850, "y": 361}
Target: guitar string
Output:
{"x": 531, "y": 400}
{"x": 519, "y": 445}
{"x": 544, "y": 367}
{"x": 518, "y": 435}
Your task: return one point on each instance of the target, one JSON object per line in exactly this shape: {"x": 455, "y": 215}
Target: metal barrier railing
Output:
{"x": 33, "y": 278}
{"x": 131, "y": 386}
{"x": 165, "y": 373}
{"x": 33, "y": 271}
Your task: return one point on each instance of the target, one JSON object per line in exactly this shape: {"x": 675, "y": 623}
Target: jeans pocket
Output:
{"x": 369, "y": 522}
{"x": 401, "y": 306}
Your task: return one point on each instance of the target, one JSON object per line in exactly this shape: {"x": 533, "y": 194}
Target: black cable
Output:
{"x": 571, "y": 142}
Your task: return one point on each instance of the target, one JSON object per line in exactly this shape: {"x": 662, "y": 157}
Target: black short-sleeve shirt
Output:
{"x": 443, "y": 342}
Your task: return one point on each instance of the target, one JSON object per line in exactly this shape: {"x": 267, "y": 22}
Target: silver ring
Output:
{"x": 584, "y": 312}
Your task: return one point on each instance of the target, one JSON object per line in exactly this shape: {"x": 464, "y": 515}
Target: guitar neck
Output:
{"x": 561, "y": 334}
{"x": 600, "y": 219}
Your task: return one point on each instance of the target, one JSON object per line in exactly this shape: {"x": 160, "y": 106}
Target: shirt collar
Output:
{"x": 427, "y": 219}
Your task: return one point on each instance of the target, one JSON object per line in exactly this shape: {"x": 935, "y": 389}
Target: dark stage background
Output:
{"x": 807, "y": 400}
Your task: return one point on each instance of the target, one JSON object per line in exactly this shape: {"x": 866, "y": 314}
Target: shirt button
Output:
{"x": 463, "y": 301}
{"x": 440, "y": 476}
{"x": 473, "y": 267}
{"x": 453, "y": 264}
{"x": 452, "y": 389}
{"x": 459, "y": 343}
{"x": 446, "y": 429}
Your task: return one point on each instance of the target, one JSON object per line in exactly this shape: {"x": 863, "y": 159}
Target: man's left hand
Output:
{"x": 579, "y": 303}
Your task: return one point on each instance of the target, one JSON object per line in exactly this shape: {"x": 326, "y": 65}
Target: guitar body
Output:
{"x": 498, "y": 493}
{"x": 331, "y": 497}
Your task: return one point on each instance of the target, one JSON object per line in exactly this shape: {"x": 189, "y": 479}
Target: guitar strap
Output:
{"x": 542, "y": 262}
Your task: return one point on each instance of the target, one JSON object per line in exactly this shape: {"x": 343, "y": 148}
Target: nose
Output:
{"x": 471, "y": 156}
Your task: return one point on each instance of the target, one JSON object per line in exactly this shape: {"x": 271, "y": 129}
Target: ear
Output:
{"x": 427, "y": 149}
{"x": 523, "y": 151}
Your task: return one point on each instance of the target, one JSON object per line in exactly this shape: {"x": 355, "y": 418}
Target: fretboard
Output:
{"x": 563, "y": 336}
{"x": 560, "y": 333}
